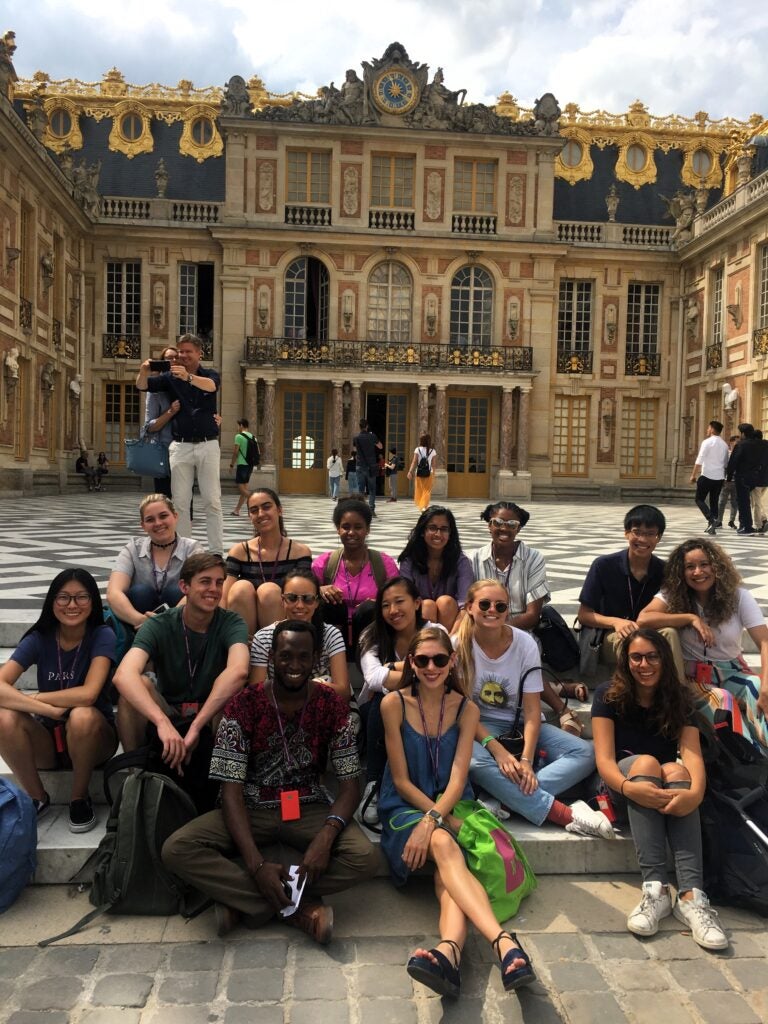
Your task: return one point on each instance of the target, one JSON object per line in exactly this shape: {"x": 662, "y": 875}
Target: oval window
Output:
{"x": 636, "y": 157}
{"x": 60, "y": 123}
{"x": 202, "y": 131}
{"x": 571, "y": 153}
{"x": 701, "y": 161}
{"x": 131, "y": 127}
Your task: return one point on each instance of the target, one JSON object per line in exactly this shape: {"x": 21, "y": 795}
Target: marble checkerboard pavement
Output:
{"x": 163, "y": 970}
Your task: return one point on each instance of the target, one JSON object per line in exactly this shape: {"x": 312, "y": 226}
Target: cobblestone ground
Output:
{"x": 595, "y": 974}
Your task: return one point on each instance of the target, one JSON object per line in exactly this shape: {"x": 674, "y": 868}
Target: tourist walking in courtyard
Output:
{"x": 422, "y": 472}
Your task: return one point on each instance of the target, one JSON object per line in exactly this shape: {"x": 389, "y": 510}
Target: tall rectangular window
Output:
{"x": 637, "y": 454}
{"x": 574, "y": 316}
{"x": 718, "y": 323}
{"x": 196, "y": 299}
{"x": 27, "y": 258}
{"x": 569, "y": 438}
{"x": 309, "y": 176}
{"x": 124, "y": 297}
{"x": 474, "y": 186}
{"x": 123, "y": 406}
{"x": 762, "y": 296}
{"x": 643, "y": 302}
{"x": 392, "y": 181}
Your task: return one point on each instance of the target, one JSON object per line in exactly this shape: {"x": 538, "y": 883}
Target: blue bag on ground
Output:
{"x": 18, "y": 842}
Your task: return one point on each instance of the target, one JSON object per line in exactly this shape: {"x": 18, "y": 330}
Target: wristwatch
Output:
{"x": 189, "y": 378}
{"x": 435, "y": 815}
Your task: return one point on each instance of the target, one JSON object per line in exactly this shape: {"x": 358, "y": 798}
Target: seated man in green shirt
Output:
{"x": 199, "y": 654}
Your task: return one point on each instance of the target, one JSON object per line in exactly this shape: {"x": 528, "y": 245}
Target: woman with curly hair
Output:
{"x": 642, "y": 720}
{"x": 702, "y": 597}
{"x": 433, "y": 559}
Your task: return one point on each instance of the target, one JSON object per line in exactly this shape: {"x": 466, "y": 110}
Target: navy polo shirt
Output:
{"x": 611, "y": 589}
{"x": 195, "y": 418}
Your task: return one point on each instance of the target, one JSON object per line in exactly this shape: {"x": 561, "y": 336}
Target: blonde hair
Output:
{"x": 465, "y": 634}
{"x": 151, "y": 499}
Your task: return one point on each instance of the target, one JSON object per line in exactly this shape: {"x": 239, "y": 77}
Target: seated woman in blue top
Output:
{"x": 433, "y": 559}
{"x": 70, "y": 715}
{"x": 430, "y": 727}
{"x": 649, "y": 755}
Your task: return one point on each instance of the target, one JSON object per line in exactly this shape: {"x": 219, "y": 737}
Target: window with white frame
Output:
{"x": 124, "y": 297}
{"x": 643, "y": 303}
{"x": 637, "y": 450}
{"x": 471, "y": 307}
{"x": 390, "y": 296}
{"x": 762, "y": 297}
{"x": 570, "y": 436}
{"x": 574, "y": 316}
{"x": 718, "y": 323}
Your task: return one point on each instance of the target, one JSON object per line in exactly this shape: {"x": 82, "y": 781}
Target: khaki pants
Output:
{"x": 612, "y": 642}
{"x": 202, "y": 853}
{"x": 757, "y": 501}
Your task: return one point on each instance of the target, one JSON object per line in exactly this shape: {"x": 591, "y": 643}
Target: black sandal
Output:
{"x": 520, "y": 975}
{"x": 442, "y": 977}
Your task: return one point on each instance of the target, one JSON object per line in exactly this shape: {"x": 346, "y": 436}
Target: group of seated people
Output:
{"x": 238, "y": 672}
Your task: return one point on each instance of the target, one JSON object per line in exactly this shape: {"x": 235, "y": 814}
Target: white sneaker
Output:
{"x": 587, "y": 822}
{"x": 699, "y": 916}
{"x": 490, "y": 803}
{"x": 369, "y": 812}
{"x": 655, "y": 905}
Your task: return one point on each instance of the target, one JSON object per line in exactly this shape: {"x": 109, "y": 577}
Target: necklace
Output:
{"x": 171, "y": 543}
{"x": 290, "y": 761}
{"x": 74, "y": 660}
{"x": 274, "y": 564}
{"x": 433, "y": 744}
{"x": 162, "y": 573}
{"x": 504, "y": 577}
{"x": 192, "y": 667}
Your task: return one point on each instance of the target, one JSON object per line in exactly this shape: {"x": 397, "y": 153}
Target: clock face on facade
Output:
{"x": 395, "y": 91}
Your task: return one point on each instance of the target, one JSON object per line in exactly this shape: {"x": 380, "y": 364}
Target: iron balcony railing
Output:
{"x": 760, "y": 342}
{"x": 572, "y": 361}
{"x": 385, "y": 355}
{"x": 714, "y": 356}
{"x": 642, "y": 364}
{"x": 121, "y": 346}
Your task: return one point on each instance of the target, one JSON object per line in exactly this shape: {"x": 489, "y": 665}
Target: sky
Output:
{"x": 677, "y": 56}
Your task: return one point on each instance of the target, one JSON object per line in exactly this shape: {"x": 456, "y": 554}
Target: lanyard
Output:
{"x": 351, "y": 599}
{"x": 290, "y": 761}
{"x": 274, "y": 564}
{"x": 74, "y": 662}
{"x": 192, "y": 668}
{"x": 162, "y": 573}
{"x": 434, "y": 750}
{"x": 639, "y": 596}
{"x": 504, "y": 579}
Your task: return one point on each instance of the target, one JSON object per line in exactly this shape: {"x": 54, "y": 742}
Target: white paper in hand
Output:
{"x": 295, "y": 890}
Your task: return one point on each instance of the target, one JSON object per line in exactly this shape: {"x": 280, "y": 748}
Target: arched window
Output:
{"x": 306, "y": 300}
{"x": 390, "y": 297}
{"x": 472, "y": 308}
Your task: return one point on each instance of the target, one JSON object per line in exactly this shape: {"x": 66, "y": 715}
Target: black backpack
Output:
{"x": 252, "y": 450}
{"x": 423, "y": 467}
{"x": 129, "y": 876}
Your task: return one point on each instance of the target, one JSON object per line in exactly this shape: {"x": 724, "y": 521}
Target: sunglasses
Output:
{"x": 303, "y": 598}
{"x": 499, "y": 523}
{"x": 485, "y": 604}
{"x": 638, "y": 657}
{"x": 423, "y": 660}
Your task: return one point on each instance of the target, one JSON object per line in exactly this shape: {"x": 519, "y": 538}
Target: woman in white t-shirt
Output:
{"x": 701, "y": 596}
{"x": 494, "y": 658}
{"x": 335, "y": 468}
{"x": 423, "y": 459}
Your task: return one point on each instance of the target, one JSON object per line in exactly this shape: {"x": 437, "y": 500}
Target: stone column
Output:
{"x": 505, "y": 441}
{"x": 251, "y": 403}
{"x": 523, "y": 428}
{"x": 423, "y": 410}
{"x": 440, "y": 487}
{"x": 269, "y": 426}
{"x": 337, "y": 430}
{"x": 354, "y": 412}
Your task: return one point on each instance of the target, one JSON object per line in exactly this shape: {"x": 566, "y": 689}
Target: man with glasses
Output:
{"x": 618, "y": 586}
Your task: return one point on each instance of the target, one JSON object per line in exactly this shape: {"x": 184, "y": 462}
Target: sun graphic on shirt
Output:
{"x": 492, "y": 693}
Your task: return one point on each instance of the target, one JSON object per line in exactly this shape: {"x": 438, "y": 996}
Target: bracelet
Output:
{"x": 526, "y": 759}
{"x": 333, "y": 818}
{"x": 391, "y": 666}
{"x": 621, "y": 787}
{"x": 486, "y": 740}
{"x": 259, "y": 867}
{"x": 189, "y": 378}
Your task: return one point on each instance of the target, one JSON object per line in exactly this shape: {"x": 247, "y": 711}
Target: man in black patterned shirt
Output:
{"x": 272, "y": 746}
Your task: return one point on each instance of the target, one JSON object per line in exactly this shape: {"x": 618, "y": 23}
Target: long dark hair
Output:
{"x": 723, "y": 598}
{"x": 276, "y": 498}
{"x": 416, "y": 547}
{"x": 307, "y": 574}
{"x": 379, "y": 633}
{"x": 453, "y": 680}
{"x": 48, "y": 623}
{"x": 672, "y": 700}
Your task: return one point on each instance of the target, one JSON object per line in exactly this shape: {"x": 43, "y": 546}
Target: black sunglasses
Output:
{"x": 485, "y": 604}
{"x": 423, "y": 660}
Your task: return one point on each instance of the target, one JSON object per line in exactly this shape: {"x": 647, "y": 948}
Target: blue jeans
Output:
{"x": 144, "y": 598}
{"x": 334, "y": 482}
{"x": 366, "y": 477}
{"x": 564, "y": 759}
{"x": 352, "y": 482}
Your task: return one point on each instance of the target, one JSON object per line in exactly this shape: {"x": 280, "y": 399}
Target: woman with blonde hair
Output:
{"x": 702, "y": 596}
{"x": 502, "y": 669}
{"x": 429, "y": 725}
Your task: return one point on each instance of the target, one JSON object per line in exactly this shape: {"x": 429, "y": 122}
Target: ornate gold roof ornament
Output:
{"x": 574, "y": 162}
{"x": 635, "y": 163}
{"x": 62, "y": 114}
{"x": 200, "y": 136}
{"x": 131, "y": 133}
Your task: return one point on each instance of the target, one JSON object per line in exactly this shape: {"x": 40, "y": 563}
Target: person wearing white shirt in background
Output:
{"x": 335, "y": 468}
{"x": 710, "y": 467}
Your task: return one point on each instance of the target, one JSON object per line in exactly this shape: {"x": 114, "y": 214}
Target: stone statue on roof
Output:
{"x": 236, "y": 101}
{"x": 7, "y": 71}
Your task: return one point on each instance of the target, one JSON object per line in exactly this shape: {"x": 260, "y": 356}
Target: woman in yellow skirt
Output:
{"x": 422, "y": 471}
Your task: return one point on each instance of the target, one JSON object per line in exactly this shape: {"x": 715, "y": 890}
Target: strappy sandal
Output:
{"x": 570, "y": 723}
{"x": 442, "y": 977}
{"x": 520, "y": 975}
{"x": 577, "y": 691}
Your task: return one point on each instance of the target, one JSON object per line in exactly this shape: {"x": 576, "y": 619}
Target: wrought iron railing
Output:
{"x": 25, "y": 315}
{"x": 714, "y": 356}
{"x": 570, "y": 361}
{"x": 121, "y": 346}
{"x": 384, "y": 355}
{"x": 760, "y": 342}
{"x": 642, "y": 364}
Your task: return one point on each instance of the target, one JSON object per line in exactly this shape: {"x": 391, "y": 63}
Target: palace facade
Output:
{"x": 561, "y": 298}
